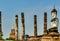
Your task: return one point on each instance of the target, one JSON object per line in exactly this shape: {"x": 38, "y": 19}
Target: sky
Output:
{"x": 10, "y": 8}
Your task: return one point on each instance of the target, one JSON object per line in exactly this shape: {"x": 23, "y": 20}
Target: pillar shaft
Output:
{"x": 0, "y": 26}
{"x": 45, "y": 23}
{"x": 17, "y": 27}
{"x": 23, "y": 26}
{"x": 35, "y": 25}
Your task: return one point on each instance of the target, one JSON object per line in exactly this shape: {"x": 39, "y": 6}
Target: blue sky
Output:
{"x": 10, "y": 8}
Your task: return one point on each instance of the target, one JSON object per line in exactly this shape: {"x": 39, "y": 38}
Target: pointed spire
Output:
{"x": 13, "y": 26}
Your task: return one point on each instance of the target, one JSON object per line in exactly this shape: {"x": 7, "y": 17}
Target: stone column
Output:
{"x": 16, "y": 27}
{"x": 35, "y": 25}
{"x": 45, "y": 22}
{"x": 23, "y": 26}
{"x": 0, "y": 27}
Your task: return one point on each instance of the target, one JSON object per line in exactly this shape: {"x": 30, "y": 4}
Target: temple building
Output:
{"x": 50, "y": 34}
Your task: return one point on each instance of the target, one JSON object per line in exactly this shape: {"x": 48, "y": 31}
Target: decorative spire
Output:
{"x": 12, "y": 34}
{"x": 13, "y": 26}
